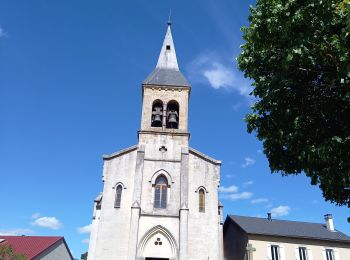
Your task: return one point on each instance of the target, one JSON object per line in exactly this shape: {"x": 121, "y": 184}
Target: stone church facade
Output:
{"x": 160, "y": 197}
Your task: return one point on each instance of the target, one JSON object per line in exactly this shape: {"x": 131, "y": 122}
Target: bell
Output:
{"x": 157, "y": 117}
{"x": 172, "y": 118}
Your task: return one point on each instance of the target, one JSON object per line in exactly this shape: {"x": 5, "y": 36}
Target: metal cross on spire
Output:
{"x": 169, "y": 19}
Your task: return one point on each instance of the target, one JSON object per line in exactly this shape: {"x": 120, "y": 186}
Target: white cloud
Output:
{"x": 85, "y": 241}
{"x": 238, "y": 196}
{"x": 237, "y": 106}
{"x": 85, "y": 229}
{"x": 16, "y": 232}
{"x": 35, "y": 215}
{"x": 280, "y": 211}
{"x": 230, "y": 189}
{"x": 247, "y": 183}
{"x": 260, "y": 200}
{"x": 247, "y": 162}
{"x": 2, "y": 32}
{"x": 209, "y": 68}
{"x": 47, "y": 222}
{"x": 229, "y": 176}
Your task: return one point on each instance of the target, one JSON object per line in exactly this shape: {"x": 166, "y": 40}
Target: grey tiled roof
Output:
{"x": 166, "y": 77}
{"x": 284, "y": 228}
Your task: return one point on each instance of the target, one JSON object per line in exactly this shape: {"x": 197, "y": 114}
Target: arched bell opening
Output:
{"x": 157, "y": 114}
{"x": 172, "y": 120}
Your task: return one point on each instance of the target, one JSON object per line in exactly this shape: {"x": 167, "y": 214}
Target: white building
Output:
{"x": 160, "y": 197}
{"x": 251, "y": 238}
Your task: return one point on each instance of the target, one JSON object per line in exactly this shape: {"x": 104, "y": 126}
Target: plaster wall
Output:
{"x": 289, "y": 248}
{"x": 113, "y": 226}
{"x": 58, "y": 251}
{"x": 203, "y": 227}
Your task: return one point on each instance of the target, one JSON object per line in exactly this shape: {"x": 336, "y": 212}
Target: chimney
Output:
{"x": 269, "y": 216}
{"x": 329, "y": 222}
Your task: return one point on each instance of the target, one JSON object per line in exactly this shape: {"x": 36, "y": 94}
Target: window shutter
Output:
{"x": 309, "y": 253}
{"x": 336, "y": 254}
{"x": 297, "y": 257}
{"x": 324, "y": 254}
{"x": 269, "y": 257}
{"x": 282, "y": 254}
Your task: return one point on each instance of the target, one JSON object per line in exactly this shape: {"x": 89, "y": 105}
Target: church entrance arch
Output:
{"x": 158, "y": 244}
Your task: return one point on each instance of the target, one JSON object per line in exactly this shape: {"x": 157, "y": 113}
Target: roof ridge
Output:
{"x": 276, "y": 219}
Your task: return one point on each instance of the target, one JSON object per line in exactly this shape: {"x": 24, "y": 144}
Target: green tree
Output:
{"x": 84, "y": 256}
{"x": 8, "y": 253}
{"x": 297, "y": 52}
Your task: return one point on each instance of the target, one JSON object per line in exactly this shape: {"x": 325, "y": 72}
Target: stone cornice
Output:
{"x": 203, "y": 156}
{"x": 119, "y": 153}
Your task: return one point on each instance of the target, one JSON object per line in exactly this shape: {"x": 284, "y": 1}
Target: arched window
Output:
{"x": 118, "y": 196}
{"x": 157, "y": 114}
{"x": 201, "y": 195}
{"x": 172, "y": 115}
{"x": 160, "y": 192}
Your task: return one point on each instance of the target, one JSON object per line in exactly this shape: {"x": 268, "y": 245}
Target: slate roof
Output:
{"x": 285, "y": 228}
{"x": 166, "y": 77}
{"x": 31, "y": 246}
{"x": 167, "y": 72}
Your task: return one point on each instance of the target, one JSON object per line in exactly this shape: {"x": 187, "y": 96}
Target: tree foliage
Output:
{"x": 8, "y": 253}
{"x": 298, "y": 54}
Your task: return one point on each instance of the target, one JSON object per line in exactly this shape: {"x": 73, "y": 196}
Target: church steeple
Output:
{"x": 167, "y": 57}
{"x": 167, "y": 72}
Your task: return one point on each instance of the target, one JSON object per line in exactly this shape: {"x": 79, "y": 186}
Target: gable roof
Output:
{"x": 286, "y": 228}
{"x": 31, "y": 246}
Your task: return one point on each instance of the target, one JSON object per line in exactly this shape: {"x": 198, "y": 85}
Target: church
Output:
{"x": 160, "y": 197}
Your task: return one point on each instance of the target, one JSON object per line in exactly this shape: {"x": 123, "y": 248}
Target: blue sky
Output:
{"x": 70, "y": 91}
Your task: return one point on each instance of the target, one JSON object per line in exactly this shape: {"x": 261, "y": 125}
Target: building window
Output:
{"x": 303, "y": 253}
{"x": 330, "y": 254}
{"x": 160, "y": 192}
{"x": 275, "y": 252}
{"x": 118, "y": 196}
{"x": 201, "y": 195}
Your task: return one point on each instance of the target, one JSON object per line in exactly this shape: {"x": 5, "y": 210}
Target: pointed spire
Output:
{"x": 167, "y": 57}
{"x": 167, "y": 72}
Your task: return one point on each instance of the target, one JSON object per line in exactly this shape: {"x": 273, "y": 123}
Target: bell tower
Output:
{"x": 165, "y": 95}
{"x": 160, "y": 196}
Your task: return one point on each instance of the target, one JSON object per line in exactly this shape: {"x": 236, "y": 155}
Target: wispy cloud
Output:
{"x": 85, "y": 241}
{"x": 2, "y": 32}
{"x": 259, "y": 200}
{"x": 209, "y": 68}
{"x": 16, "y": 232}
{"x": 247, "y": 183}
{"x": 238, "y": 196}
{"x": 47, "y": 222}
{"x": 84, "y": 229}
{"x": 230, "y": 189}
{"x": 237, "y": 106}
{"x": 248, "y": 162}
{"x": 280, "y": 211}
{"x": 35, "y": 215}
